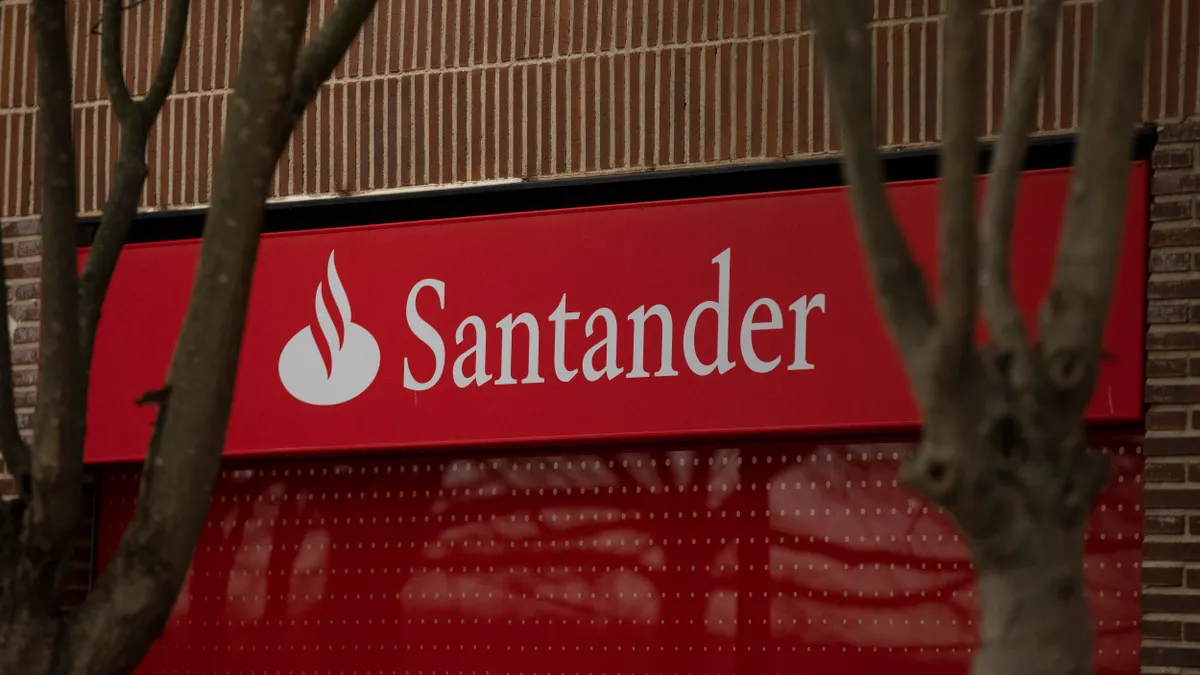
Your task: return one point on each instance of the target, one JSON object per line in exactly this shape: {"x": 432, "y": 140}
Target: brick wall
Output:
{"x": 1171, "y": 572}
{"x": 453, "y": 91}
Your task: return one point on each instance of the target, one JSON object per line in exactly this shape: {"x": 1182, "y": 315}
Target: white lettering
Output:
{"x": 479, "y": 350}
{"x": 506, "y": 326}
{"x": 425, "y": 333}
{"x": 609, "y": 344}
{"x": 639, "y": 316}
{"x": 602, "y": 360}
{"x": 722, "y": 364}
{"x": 801, "y": 308}
{"x": 559, "y": 318}
{"x": 749, "y": 325}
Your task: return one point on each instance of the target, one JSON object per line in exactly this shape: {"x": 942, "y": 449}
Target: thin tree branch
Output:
{"x": 129, "y": 606}
{"x": 998, "y": 304}
{"x": 57, "y": 462}
{"x": 112, "y": 63}
{"x": 960, "y": 157}
{"x": 95, "y": 29}
{"x": 898, "y": 281}
{"x": 323, "y": 53}
{"x": 129, "y": 175}
{"x": 1073, "y": 316}
{"x": 168, "y": 62}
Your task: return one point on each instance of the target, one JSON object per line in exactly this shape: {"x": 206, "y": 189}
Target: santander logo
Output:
{"x": 345, "y": 367}
{"x": 343, "y": 360}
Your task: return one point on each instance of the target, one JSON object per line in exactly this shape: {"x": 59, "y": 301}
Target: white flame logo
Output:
{"x": 353, "y": 353}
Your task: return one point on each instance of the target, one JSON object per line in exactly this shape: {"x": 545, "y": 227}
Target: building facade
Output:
{"x": 485, "y": 94}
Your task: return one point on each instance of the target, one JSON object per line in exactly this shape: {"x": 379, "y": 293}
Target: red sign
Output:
{"x": 714, "y": 316}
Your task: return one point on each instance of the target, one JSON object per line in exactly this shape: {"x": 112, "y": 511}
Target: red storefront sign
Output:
{"x": 719, "y": 316}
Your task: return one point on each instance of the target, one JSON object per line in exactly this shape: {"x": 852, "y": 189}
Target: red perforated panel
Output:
{"x": 754, "y": 557}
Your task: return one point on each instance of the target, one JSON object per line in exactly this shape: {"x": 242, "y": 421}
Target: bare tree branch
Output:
{"x": 168, "y": 61}
{"x": 1009, "y": 462}
{"x": 999, "y": 306}
{"x": 57, "y": 462}
{"x": 898, "y": 281}
{"x": 1073, "y": 316}
{"x": 112, "y": 63}
{"x": 130, "y": 603}
{"x": 322, "y": 54}
{"x": 129, "y": 175}
{"x": 960, "y": 157}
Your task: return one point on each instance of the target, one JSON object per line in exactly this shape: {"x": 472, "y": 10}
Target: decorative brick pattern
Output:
{"x": 1171, "y": 572}
{"x": 475, "y": 90}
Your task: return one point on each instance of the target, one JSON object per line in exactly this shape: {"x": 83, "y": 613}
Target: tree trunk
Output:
{"x": 1035, "y": 620}
{"x": 1004, "y": 449}
{"x": 110, "y": 632}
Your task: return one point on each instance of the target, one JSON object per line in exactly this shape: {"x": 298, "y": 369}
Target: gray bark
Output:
{"x": 1004, "y": 450}
{"x": 119, "y": 620}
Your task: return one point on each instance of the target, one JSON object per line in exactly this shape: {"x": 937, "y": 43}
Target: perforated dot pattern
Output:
{"x": 752, "y": 557}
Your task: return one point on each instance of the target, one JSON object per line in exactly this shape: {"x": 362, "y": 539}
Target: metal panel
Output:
{"x": 751, "y": 557}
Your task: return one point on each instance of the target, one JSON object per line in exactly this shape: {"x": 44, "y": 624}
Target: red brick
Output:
{"x": 1173, "y": 338}
{"x": 1162, "y": 577}
{"x": 1168, "y": 312}
{"x": 1170, "y": 392}
{"x": 1180, "y": 132}
{"x": 1170, "y": 604}
{"x": 1171, "y": 551}
{"x": 21, "y": 228}
{"x": 25, "y": 311}
{"x": 1172, "y": 158}
{"x": 26, "y": 335}
{"x": 28, "y": 249}
{"x": 1180, "y": 657}
{"x": 1172, "y": 446}
{"x": 1165, "y": 472}
{"x": 1177, "y": 183}
{"x": 1170, "y": 261}
{"x": 1166, "y": 419}
{"x": 1171, "y": 289}
{"x": 1161, "y": 523}
{"x": 1174, "y": 235}
{"x": 31, "y": 291}
{"x": 1171, "y": 498}
{"x": 1162, "y": 630}
{"x": 28, "y": 270}
{"x": 25, "y": 378}
{"x": 24, "y": 354}
{"x": 1166, "y": 366}
{"x": 26, "y": 398}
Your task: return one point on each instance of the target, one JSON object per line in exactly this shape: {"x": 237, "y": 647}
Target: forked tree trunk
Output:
{"x": 110, "y": 632}
{"x": 1004, "y": 448}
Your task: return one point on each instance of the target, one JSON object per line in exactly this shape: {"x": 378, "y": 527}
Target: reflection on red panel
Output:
{"x": 752, "y": 557}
